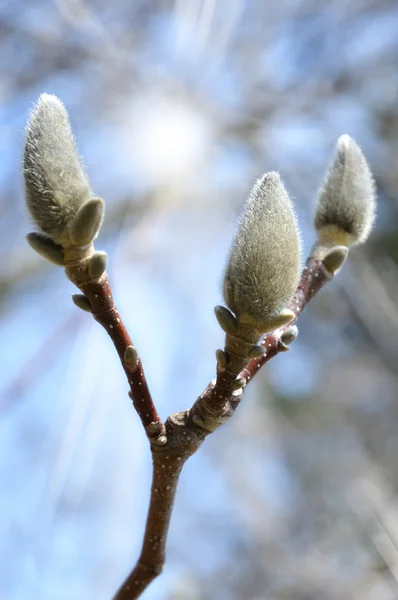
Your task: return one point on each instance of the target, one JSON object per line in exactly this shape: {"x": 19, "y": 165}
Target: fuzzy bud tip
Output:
{"x": 55, "y": 182}
{"x": 263, "y": 268}
{"x": 346, "y": 204}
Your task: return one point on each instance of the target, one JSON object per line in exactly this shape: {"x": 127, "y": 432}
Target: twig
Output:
{"x": 186, "y": 431}
{"x": 314, "y": 277}
{"x": 183, "y": 441}
{"x": 99, "y": 294}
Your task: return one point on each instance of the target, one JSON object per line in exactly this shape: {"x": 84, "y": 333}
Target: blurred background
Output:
{"x": 177, "y": 108}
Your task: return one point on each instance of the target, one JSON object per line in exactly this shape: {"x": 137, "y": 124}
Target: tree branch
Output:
{"x": 183, "y": 441}
{"x": 186, "y": 431}
{"x": 99, "y": 294}
{"x": 314, "y": 277}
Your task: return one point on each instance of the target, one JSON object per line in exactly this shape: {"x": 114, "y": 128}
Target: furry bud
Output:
{"x": 346, "y": 204}
{"x": 263, "y": 268}
{"x": 82, "y": 302}
{"x": 46, "y": 247}
{"x": 55, "y": 182}
{"x": 87, "y": 222}
{"x": 97, "y": 264}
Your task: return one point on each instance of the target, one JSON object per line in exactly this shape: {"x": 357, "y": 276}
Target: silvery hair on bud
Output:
{"x": 55, "y": 182}
{"x": 263, "y": 268}
{"x": 346, "y": 201}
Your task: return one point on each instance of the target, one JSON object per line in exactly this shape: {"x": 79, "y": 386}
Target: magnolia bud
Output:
{"x": 263, "y": 268}
{"x": 346, "y": 205}
{"x": 55, "y": 182}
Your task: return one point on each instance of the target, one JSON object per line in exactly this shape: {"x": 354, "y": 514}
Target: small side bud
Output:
{"x": 263, "y": 268}
{"x": 346, "y": 205}
{"x": 256, "y": 352}
{"x": 335, "y": 259}
{"x": 82, "y": 302}
{"x": 130, "y": 355}
{"x": 239, "y": 383}
{"x": 87, "y": 222}
{"x": 97, "y": 264}
{"x": 221, "y": 358}
{"x": 162, "y": 440}
{"x": 55, "y": 182}
{"x": 238, "y": 392}
{"x": 226, "y": 320}
{"x": 46, "y": 247}
{"x": 152, "y": 428}
{"x": 289, "y": 335}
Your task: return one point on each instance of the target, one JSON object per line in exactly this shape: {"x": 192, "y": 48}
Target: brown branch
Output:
{"x": 99, "y": 294}
{"x": 183, "y": 441}
{"x": 166, "y": 471}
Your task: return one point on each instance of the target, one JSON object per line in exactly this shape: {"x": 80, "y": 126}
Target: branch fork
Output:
{"x": 262, "y": 290}
{"x": 173, "y": 442}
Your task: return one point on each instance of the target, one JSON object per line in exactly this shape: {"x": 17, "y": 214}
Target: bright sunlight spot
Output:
{"x": 170, "y": 140}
